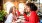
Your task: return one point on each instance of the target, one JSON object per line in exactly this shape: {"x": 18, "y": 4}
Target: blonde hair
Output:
{"x": 11, "y": 9}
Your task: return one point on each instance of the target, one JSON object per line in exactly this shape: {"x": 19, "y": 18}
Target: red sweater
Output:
{"x": 33, "y": 18}
{"x": 18, "y": 13}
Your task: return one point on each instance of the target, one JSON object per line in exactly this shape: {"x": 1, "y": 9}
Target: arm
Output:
{"x": 27, "y": 18}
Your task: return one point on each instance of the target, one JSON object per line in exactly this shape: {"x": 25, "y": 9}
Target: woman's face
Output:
{"x": 14, "y": 10}
{"x": 27, "y": 8}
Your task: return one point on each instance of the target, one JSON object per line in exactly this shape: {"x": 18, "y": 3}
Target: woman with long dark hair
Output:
{"x": 33, "y": 17}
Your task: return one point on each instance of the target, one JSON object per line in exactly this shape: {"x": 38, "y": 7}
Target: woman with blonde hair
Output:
{"x": 12, "y": 17}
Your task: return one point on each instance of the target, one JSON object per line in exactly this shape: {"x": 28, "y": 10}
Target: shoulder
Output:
{"x": 10, "y": 15}
{"x": 33, "y": 12}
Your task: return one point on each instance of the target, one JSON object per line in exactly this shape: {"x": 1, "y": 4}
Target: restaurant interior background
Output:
{"x": 19, "y": 4}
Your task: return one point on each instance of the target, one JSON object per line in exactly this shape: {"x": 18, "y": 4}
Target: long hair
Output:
{"x": 11, "y": 9}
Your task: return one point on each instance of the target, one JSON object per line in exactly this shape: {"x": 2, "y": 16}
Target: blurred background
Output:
{"x": 19, "y": 4}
